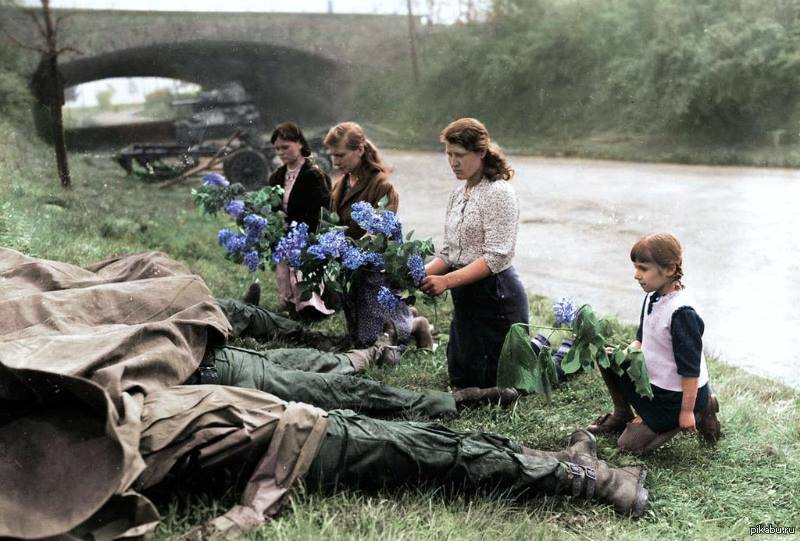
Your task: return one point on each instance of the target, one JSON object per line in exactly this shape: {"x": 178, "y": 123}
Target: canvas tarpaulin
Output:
{"x": 91, "y": 362}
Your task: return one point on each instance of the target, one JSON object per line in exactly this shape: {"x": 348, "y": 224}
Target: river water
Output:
{"x": 578, "y": 219}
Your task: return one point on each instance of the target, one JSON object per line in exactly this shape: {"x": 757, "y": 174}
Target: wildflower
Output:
{"x": 388, "y": 299}
{"x": 564, "y": 310}
{"x": 352, "y": 258}
{"x": 252, "y": 260}
{"x": 235, "y": 207}
{"x": 416, "y": 268}
{"x": 291, "y": 245}
{"x": 215, "y": 179}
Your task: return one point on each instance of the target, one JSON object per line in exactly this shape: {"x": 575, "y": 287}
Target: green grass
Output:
{"x": 697, "y": 492}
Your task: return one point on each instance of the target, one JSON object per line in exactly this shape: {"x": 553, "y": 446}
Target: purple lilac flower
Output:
{"x": 388, "y": 224}
{"x": 352, "y": 258}
{"x": 416, "y": 268}
{"x": 292, "y": 243}
{"x": 235, "y": 243}
{"x": 223, "y": 236}
{"x": 387, "y": 299}
{"x": 254, "y": 225}
{"x": 564, "y": 310}
{"x": 363, "y": 214}
{"x": 235, "y": 207}
{"x": 374, "y": 259}
{"x": 330, "y": 244}
{"x": 215, "y": 179}
{"x": 252, "y": 260}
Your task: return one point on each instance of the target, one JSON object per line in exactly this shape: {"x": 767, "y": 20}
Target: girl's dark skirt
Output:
{"x": 661, "y": 412}
{"x": 483, "y": 313}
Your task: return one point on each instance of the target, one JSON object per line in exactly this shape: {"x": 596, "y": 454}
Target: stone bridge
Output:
{"x": 298, "y": 66}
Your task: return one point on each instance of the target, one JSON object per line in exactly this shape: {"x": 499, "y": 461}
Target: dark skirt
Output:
{"x": 483, "y": 312}
{"x": 661, "y": 412}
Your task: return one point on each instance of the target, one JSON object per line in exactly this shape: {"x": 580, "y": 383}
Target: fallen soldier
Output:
{"x": 93, "y": 411}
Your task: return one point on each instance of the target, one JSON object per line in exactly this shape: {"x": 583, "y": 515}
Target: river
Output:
{"x": 578, "y": 219}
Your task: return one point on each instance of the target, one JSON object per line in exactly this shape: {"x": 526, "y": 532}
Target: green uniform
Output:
{"x": 324, "y": 380}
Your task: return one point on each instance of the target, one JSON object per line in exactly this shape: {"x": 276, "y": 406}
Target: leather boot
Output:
{"x": 253, "y": 295}
{"x": 590, "y": 477}
{"x": 612, "y": 423}
{"x": 708, "y": 426}
{"x": 475, "y": 396}
{"x": 421, "y": 331}
{"x": 384, "y": 350}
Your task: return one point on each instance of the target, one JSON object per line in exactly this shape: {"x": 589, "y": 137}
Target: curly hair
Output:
{"x": 473, "y": 136}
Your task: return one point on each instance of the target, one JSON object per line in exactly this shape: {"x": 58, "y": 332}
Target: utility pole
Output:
{"x": 412, "y": 43}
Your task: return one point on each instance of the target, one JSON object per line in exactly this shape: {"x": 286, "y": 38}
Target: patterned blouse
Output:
{"x": 481, "y": 223}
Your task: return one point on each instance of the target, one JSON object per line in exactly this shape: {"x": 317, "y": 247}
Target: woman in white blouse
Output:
{"x": 480, "y": 235}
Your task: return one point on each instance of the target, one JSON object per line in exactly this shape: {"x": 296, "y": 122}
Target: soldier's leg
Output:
{"x": 245, "y": 368}
{"x": 259, "y": 323}
{"x": 365, "y": 452}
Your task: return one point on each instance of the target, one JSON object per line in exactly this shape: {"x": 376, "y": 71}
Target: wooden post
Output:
{"x": 412, "y": 42}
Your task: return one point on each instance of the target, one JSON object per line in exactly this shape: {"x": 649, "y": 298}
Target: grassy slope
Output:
{"x": 751, "y": 477}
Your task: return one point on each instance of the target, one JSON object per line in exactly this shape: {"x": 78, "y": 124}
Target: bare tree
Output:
{"x": 47, "y": 80}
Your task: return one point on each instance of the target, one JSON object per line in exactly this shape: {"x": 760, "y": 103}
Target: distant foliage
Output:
{"x": 727, "y": 69}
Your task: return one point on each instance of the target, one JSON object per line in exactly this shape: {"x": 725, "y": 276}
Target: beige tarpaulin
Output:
{"x": 91, "y": 407}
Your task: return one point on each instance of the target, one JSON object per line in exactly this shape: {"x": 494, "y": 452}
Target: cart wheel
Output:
{"x": 248, "y": 167}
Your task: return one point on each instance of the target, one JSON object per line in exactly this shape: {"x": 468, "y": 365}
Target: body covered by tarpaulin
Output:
{"x": 91, "y": 406}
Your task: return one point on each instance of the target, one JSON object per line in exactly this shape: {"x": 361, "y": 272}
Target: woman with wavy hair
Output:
{"x": 480, "y": 236}
{"x": 365, "y": 177}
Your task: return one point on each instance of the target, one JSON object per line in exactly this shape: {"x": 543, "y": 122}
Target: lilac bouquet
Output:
{"x": 258, "y": 217}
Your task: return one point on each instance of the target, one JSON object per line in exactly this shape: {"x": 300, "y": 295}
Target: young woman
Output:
{"x": 364, "y": 177}
{"x": 306, "y": 191}
{"x": 670, "y": 335}
{"x": 480, "y": 235}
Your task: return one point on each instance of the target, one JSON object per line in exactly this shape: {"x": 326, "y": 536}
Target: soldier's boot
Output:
{"x": 253, "y": 295}
{"x": 591, "y": 477}
{"x": 421, "y": 331}
{"x": 476, "y": 396}
{"x": 615, "y": 422}
{"x": 384, "y": 350}
{"x": 708, "y": 426}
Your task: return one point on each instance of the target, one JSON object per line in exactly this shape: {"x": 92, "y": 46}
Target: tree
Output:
{"x": 47, "y": 82}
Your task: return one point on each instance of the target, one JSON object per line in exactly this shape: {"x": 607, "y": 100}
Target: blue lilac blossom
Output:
{"x": 416, "y": 268}
{"x": 329, "y": 244}
{"x": 254, "y": 225}
{"x": 388, "y": 224}
{"x": 564, "y": 310}
{"x": 215, "y": 179}
{"x": 362, "y": 213}
{"x": 235, "y": 243}
{"x": 223, "y": 236}
{"x": 352, "y": 258}
{"x": 374, "y": 259}
{"x": 235, "y": 207}
{"x": 252, "y": 260}
{"x": 292, "y": 243}
{"x": 387, "y": 299}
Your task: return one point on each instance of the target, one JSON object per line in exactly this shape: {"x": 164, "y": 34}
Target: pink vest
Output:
{"x": 657, "y": 342}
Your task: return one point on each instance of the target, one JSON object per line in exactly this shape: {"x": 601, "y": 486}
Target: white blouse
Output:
{"x": 481, "y": 223}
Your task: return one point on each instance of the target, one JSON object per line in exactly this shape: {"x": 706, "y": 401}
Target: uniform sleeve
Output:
{"x": 687, "y": 341}
{"x": 500, "y": 217}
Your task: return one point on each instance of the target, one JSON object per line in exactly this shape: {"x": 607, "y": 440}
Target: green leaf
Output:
{"x": 383, "y": 201}
{"x": 572, "y": 360}
{"x": 637, "y": 371}
{"x": 517, "y": 363}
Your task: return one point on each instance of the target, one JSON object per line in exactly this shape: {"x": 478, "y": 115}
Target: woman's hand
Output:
{"x": 433, "y": 285}
{"x": 686, "y": 421}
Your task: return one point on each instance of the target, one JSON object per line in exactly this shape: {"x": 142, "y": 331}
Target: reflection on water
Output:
{"x": 579, "y": 218}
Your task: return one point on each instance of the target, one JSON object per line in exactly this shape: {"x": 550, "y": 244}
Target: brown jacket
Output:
{"x": 371, "y": 191}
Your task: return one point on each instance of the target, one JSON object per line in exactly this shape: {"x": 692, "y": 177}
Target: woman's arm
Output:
{"x": 437, "y": 266}
{"x": 436, "y": 285}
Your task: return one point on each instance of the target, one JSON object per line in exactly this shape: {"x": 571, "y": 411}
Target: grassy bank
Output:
{"x": 697, "y": 492}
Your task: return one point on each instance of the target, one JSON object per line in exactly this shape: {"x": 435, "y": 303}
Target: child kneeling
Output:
{"x": 670, "y": 335}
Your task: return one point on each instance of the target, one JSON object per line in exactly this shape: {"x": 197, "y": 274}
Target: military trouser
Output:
{"x": 323, "y": 380}
{"x": 259, "y": 323}
{"x": 372, "y": 453}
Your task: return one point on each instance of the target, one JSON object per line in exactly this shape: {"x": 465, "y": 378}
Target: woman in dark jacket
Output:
{"x": 306, "y": 191}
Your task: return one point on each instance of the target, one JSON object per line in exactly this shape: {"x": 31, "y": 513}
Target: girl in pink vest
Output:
{"x": 670, "y": 335}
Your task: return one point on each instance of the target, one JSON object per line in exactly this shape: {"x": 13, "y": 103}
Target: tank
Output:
{"x": 216, "y": 114}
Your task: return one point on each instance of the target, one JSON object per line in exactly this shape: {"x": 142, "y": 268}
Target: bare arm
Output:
{"x": 436, "y": 285}
{"x": 686, "y": 418}
{"x": 436, "y": 266}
